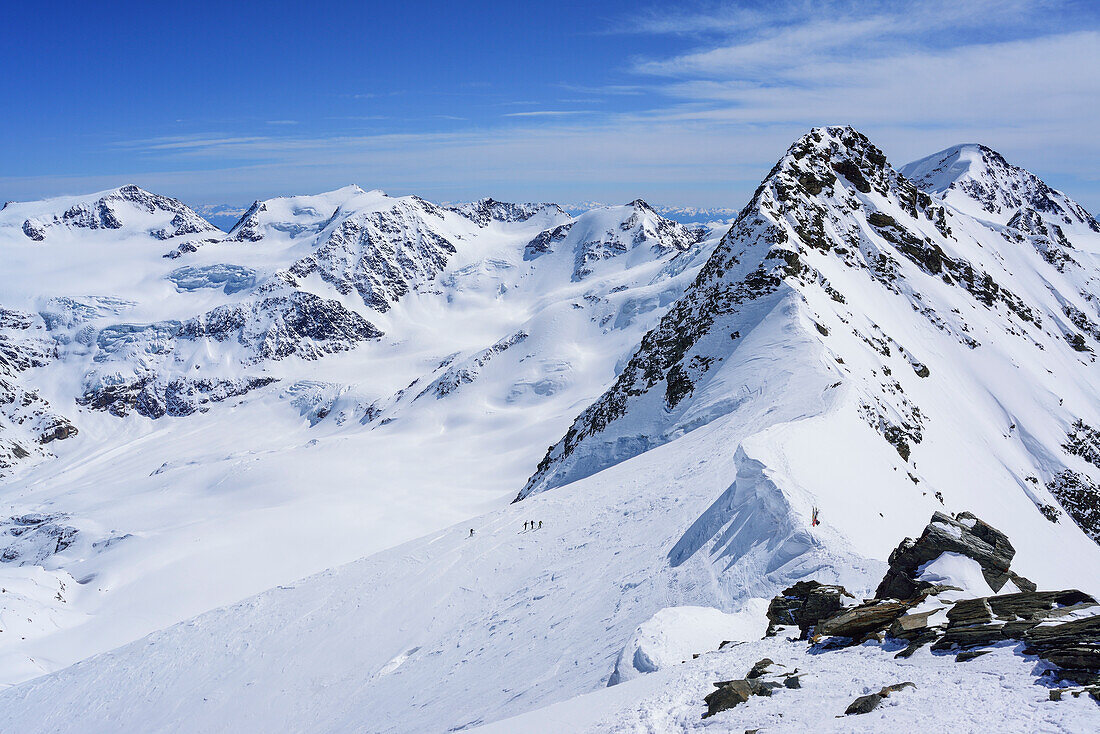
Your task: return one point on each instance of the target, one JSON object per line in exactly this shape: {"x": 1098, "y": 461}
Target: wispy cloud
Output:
{"x": 282, "y": 122}
{"x": 190, "y": 142}
{"x": 549, "y": 113}
{"x": 607, "y": 89}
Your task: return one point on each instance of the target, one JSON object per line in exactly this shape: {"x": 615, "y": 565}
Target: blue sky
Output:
{"x": 680, "y": 103}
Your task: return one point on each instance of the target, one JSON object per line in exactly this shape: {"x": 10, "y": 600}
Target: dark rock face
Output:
{"x": 544, "y": 241}
{"x": 468, "y": 370}
{"x": 867, "y": 704}
{"x": 282, "y": 323}
{"x": 966, "y": 535}
{"x": 56, "y": 428}
{"x": 1076, "y": 492}
{"x": 1083, "y": 440}
{"x": 247, "y": 228}
{"x": 34, "y": 230}
{"x": 27, "y": 420}
{"x": 1073, "y": 646}
{"x": 307, "y": 325}
{"x": 153, "y": 397}
{"x": 804, "y": 604}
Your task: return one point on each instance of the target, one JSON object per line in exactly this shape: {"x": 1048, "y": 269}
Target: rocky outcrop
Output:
{"x": 1073, "y": 646}
{"x": 279, "y": 322}
{"x": 594, "y": 240}
{"x": 804, "y": 605}
{"x": 155, "y": 396}
{"x": 964, "y": 534}
{"x": 544, "y": 241}
{"x": 731, "y": 693}
{"x": 1061, "y": 627}
{"x": 1079, "y": 496}
{"x": 863, "y": 620}
{"x": 134, "y": 365}
{"x": 32, "y": 538}
{"x": 455, "y": 375}
{"x": 988, "y": 620}
{"x": 27, "y": 420}
{"x": 1001, "y": 189}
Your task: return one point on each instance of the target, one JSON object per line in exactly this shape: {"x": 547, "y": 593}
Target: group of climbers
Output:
{"x": 527, "y": 524}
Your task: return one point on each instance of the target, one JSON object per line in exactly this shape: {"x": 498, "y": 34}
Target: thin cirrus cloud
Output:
{"x": 548, "y": 113}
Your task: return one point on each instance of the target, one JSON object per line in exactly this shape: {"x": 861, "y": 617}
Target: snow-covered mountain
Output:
{"x": 358, "y": 375}
{"x": 980, "y": 182}
{"x": 128, "y": 209}
{"x": 157, "y": 393}
{"x": 889, "y": 288}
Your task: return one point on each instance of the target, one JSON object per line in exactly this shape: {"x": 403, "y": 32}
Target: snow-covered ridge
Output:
{"x": 485, "y": 211}
{"x": 683, "y": 214}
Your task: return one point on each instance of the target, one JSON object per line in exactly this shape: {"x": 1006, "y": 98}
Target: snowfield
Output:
{"x": 286, "y": 501}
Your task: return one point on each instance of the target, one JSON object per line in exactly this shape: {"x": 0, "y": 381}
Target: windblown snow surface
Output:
{"x": 384, "y": 377}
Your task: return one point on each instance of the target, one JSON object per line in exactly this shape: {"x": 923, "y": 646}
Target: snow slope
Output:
{"x": 853, "y": 344}
{"x": 441, "y": 632}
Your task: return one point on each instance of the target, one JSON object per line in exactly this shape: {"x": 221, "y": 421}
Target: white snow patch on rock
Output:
{"x": 955, "y": 569}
